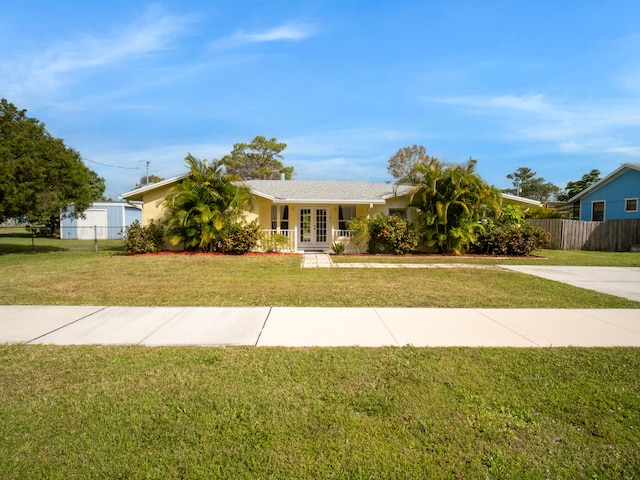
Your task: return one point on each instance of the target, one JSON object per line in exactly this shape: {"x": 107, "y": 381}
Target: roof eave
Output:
{"x": 152, "y": 186}
{"x": 324, "y": 201}
{"x": 516, "y": 198}
{"x": 603, "y": 181}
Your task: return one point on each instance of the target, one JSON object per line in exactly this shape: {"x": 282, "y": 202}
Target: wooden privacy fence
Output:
{"x": 608, "y": 236}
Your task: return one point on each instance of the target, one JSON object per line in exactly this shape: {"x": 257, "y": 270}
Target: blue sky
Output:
{"x": 549, "y": 85}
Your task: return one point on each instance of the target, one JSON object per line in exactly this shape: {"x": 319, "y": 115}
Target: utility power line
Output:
{"x": 112, "y": 166}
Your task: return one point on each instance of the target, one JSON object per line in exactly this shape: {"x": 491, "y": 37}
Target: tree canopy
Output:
{"x": 450, "y": 201}
{"x": 526, "y": 184}
{"x": 204, "y": 206}
{"x": 260, "y": 159}
{"x": 574, "y": 188}
{"x": 148, "y": 180}
{"x": 403, "y": 165}
{"x": 39, "y": 175}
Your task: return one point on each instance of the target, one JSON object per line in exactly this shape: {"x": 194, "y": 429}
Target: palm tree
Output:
{"x": 203, "y": 205}
{"x": 450, "y": 201}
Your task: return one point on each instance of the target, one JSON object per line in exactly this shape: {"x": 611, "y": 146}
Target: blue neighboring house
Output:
{"x": 615, "y": 197}
{"x": 102, "y": 220}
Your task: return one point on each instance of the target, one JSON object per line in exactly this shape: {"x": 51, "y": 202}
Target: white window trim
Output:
{"x": 625, "y": 205}
{"x": 604, "y": 210}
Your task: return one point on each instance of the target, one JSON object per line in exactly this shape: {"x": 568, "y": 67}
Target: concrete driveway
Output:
{"x": 619, "y": 281}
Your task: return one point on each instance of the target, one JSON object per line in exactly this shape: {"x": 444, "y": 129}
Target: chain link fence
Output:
{"x": 19, "y": 238}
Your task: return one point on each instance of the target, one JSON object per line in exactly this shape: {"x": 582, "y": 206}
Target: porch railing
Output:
{"x": 279, "y": 240}
{"x": 345, "y": 237}
{"x": 287, "y": 240}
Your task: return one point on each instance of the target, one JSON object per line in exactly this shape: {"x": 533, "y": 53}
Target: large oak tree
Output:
{"x": 39, "y": 175}
{"x": 527, "y": 184}
{"x": 403, "y": 166}
{"x": 574, "y": 188}
{"x": 260, "y": 159}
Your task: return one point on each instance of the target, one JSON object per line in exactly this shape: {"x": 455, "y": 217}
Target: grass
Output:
{"x": 70, "y": 272}
{"x": 138, "y": 412}
{"x": 68, "y": 278}
{"x": 135, "y": 412}
{"x": 541, "y": 257}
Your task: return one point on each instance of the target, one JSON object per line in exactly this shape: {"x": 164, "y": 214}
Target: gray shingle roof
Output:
{"x": 330, "y": 191}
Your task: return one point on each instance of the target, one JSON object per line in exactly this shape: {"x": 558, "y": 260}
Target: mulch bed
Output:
{"x": 368, "y": 256}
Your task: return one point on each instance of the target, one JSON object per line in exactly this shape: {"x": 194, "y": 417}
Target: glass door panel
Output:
{"x": 305, "y": 225}
{"x": 321, "y": 225}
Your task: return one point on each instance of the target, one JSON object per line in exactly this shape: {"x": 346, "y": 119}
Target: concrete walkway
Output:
{"x": 316, "y": 260}
{"x": 329, "y": 327}
{"x": 323, "y": 260}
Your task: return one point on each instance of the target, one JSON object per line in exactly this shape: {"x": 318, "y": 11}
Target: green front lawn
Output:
{"x": 73, "y": 278}
{"x": 136, "y": 412}
{"x": 540, "y": 257}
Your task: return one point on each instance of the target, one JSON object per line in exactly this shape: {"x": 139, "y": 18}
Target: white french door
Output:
{"x": 313, "y": 222}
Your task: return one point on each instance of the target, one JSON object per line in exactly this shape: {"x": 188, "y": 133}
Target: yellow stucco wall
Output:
{"x": 152, "y": 203}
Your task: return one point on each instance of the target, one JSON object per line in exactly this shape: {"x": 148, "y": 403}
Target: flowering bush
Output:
{"x": 515, "y": 239}
{"x": 391, "y": 234}
{"x": 138, "y": 239}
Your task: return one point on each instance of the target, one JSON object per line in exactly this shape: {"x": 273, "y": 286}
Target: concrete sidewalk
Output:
{"x": 330, "y": 327}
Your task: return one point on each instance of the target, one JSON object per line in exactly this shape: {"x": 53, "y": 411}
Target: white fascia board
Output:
{"x": 107, "y": 204}
{"x": 516, "y": 198}
{"x": 263, "y": 195}
{"x": 319, "y": 201}
{"x": 152, "y": 186}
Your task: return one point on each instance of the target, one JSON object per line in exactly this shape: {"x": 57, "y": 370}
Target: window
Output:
{"x": 400, "y": 212}
{"x": 597, "y": 211}
{"x": 346, "y": 213}
{"x": 630, "y": 204}
{"x": 284, "y": 217}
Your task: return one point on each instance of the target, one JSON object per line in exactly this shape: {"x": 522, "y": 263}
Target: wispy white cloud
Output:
{"x": 523, "y": 103}
{"x": 44, "y": 73}
{"x": 567, "y": 127}
{"x": 280, "y": 33}
{"x": 290, "y": 32}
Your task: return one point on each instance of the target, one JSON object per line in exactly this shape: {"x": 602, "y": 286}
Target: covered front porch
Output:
{"x": 300, "y": 241}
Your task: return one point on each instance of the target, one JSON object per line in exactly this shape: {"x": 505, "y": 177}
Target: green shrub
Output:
{"x": 542, "y": 212}
{"x": 276, "y": 242}
{"x": 338, "y": 248}
{"x": 391, "y": 234}
{"x": 514, "y": 239}
{"x": 240, "y": 238}
{"x": 137, "y": 239}
{"x": 359, "y": 227}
